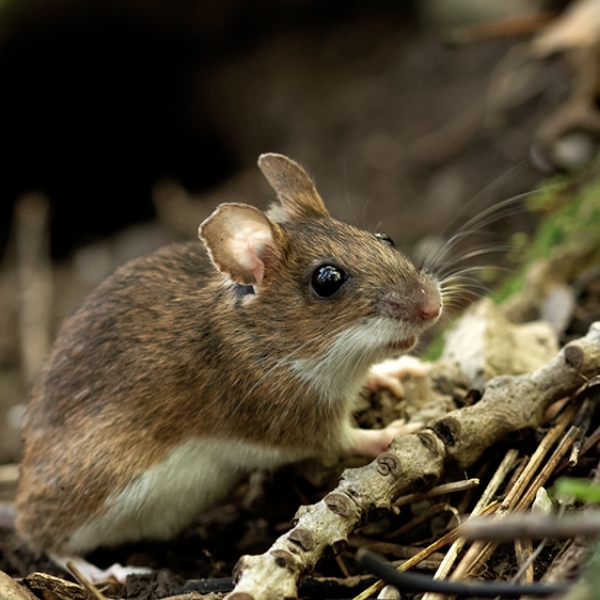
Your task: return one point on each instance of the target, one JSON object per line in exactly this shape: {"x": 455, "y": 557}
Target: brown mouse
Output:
{"x": 174, "y": 377}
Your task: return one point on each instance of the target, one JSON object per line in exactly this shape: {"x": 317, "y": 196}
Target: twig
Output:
{"x": 449, "y": 538}
{"x": 342, "y": 566}
{"x": 583, "y": 420}
{"x": 412, "y": 582}
{"x": 397, "y": 551}
{"x": 551, "y": 437}
{"x": 548, "y": 468}
{"x": 589, "y": 443}
{"x": 523, "y": 552}
{"x": 438, "y": 490}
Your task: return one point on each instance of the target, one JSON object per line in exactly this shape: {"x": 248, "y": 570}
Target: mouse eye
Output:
{"x": 327, "y": 280}
{"x": 386, "y": 239}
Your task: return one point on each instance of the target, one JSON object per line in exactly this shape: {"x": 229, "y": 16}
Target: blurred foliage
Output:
{"x": 581, "y": 490}
{"x": 570, "y": 223}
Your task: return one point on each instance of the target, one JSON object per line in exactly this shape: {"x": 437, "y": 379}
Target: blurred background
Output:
{"x": 125, "y": 123}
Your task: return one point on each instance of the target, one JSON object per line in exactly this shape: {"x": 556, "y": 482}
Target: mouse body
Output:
{"x": 192, "y": 366}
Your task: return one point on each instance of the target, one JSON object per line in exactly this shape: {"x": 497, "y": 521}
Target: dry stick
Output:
{"x": 466, "y": 500}
{"x": 479, "y": 550}
{"x": 342, "y": 566}
{"x": 438, "y": 490}
{"x": 536, "y": 526}
{"x": 490, "y": 491}
{"x": 413, "y": 462}
{"x": 516, "y": 473}
{"x": 583, "y": 420}
{"x": 523, "y": 552}
{"x": 589, "y": 443}
{"x": 537, "y": 458}
{"x": 530, "y": 561}
{"x": 548, "y": 469}
{"x": 524, "y": 548}
{"x": 396, "y": 551}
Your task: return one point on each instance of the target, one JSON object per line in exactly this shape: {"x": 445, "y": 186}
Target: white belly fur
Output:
{"x": 171, "y": 494}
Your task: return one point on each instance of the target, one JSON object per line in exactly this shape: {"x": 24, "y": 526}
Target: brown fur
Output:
{"x": 167, "y": 349}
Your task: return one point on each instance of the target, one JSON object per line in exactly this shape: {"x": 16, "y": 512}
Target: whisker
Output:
{"x": 461, "y": 285}
{"x": 475, "y": 225}
{"x": 492, "y": 186}
{"x": 470, "y": 254}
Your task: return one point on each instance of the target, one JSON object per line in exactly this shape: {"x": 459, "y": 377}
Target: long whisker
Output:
{"x": 476, "y": 252}
{"x": 475, "y": 225}
{"x": 488, "y": 189}
{"x": 462, "y": 282}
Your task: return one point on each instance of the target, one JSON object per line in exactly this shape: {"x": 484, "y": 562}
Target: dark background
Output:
{"x": 135, "y": 119}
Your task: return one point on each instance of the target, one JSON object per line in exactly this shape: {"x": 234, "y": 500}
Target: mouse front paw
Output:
{"x": 389, "y": 374}
{"x": 373, "y": 442}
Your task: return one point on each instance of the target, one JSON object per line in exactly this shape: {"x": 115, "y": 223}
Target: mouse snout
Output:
{"x": 428, "y": 304}
{"x": 420, "y": 306}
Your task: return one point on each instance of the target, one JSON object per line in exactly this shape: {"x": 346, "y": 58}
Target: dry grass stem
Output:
{"x": 523, "y": 552}
{"x": 91, "y": 588}
{"x": 548, "y": 468}
{"x": 551, "y": 437}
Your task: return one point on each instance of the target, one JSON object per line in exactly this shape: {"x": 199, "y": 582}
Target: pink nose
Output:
{"x": 430, "y": 305}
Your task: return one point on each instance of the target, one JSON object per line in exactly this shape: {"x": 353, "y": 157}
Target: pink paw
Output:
{"x": 373, "y": 442}
{"x": 388, "y": 374}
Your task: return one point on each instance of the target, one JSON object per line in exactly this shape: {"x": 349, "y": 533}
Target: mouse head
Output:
{"x": 319, "y": 279}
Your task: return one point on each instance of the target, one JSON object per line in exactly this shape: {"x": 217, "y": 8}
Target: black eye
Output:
{"x": 327, "y": 280}
{"x": 386, "y": 239}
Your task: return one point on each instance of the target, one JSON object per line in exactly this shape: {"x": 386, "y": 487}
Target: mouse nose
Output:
{"x": 429, "y": 305}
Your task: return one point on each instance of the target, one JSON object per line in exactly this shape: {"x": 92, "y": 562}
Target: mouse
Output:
{"x": 185, "y": 369}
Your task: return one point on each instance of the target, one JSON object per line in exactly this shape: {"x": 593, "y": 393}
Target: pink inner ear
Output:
{"x": 248, "y": 246}
{"x": 238, "y": 238}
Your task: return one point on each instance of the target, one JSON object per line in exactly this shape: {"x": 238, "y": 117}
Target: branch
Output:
{"x": 414, "y": 463}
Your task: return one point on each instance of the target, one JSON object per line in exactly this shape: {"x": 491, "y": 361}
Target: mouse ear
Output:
{"x": 240, "y": 241}
{"x": 296, "y": 191}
